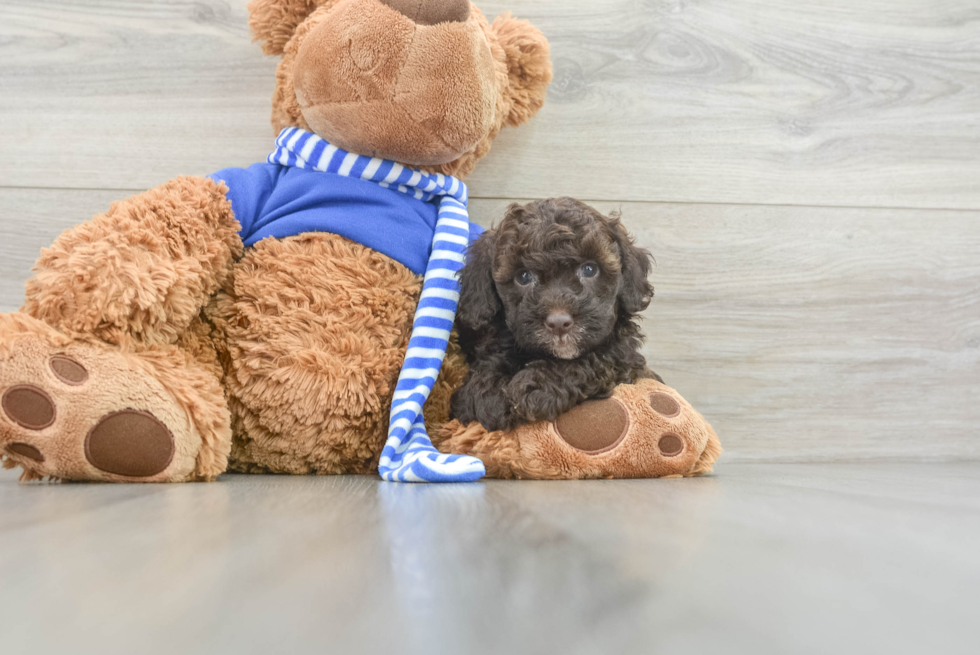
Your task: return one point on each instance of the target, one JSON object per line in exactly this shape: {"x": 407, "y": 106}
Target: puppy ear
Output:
{"x": 478, "y": 299}
{"x": 528, "y": 66}
{"x": 635, "y": 290}
{"x": 273, "y": 22}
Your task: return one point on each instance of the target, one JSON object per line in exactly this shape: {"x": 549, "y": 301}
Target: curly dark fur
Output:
{"x": 555, "y": 257}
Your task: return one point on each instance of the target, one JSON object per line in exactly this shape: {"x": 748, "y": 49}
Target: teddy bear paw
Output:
{"x": 597, "y": 426}
{"x": 83, "y": 411}
{"x": 644, "y": 430}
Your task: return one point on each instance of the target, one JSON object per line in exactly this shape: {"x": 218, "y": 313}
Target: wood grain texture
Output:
{"x": 811, "y": 334}
{"x": 830, "y": 102}
{"x": 129, "y": 93}
{"x": 760, "y": 560}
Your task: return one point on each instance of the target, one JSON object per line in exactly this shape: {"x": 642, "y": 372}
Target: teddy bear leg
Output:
{"x": 316, "y": 332}
{"x": 141, "y": 271}
{"x": 96, "y": 376}
{"x": 644, "y": 430}
{"x": 84, "y": 410}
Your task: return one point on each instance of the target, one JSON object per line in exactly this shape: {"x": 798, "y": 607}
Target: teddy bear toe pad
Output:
{"x": 26, "y": 450}
{"x": 664, "y": 404}
{"x": 670, "y": 445}
{"x": 68, "y": 370}
{"x": 29, "y": 407}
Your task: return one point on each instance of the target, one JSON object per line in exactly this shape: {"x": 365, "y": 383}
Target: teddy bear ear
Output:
{"x": 273, "y": 22}
{"x": 528, "y": 65}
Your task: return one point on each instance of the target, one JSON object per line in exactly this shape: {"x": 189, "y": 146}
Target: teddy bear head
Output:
{"x": 426, "y": 83}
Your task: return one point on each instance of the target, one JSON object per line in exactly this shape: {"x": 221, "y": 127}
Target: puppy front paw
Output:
{"x": 491, "y": 410}
{"x": 537, "y": 396}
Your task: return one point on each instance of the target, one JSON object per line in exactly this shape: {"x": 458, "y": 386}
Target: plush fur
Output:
{"x": 547, "y": 314}
{"x": 315, "y": 329}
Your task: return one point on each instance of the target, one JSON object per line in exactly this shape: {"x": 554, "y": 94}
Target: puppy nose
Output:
{"x": 558, "y": 323}
{"x": 432, "y": 12}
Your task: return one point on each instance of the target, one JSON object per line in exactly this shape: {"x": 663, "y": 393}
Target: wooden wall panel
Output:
{"x": 831, "y": 102}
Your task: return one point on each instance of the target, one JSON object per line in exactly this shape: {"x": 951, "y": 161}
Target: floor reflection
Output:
{"x": 581, "y": 558}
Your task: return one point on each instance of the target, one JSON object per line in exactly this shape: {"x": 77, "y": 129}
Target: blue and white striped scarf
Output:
{"x": 408, "y": 455}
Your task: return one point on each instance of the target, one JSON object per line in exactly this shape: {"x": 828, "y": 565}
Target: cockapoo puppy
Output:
{"x": 547, "y": 314}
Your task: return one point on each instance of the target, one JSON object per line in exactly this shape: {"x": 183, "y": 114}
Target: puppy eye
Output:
{"x": 524, "y": 278}
{"x": 588, "y": 269}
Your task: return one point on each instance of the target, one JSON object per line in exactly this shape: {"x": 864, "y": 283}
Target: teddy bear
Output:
{"x": 296, "y": 316}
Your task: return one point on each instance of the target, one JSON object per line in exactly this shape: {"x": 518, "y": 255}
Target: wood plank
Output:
{"x": 759, "y": 559}
{"x": 801, "y": 333}
{"x": 129, "y": 93}
{"x": 829, "y": 102}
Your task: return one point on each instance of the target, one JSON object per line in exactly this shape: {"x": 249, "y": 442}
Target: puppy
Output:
{"x": 547, "y": 314}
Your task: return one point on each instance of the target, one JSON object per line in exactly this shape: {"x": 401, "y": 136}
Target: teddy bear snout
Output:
{"x": 432, "y": 12}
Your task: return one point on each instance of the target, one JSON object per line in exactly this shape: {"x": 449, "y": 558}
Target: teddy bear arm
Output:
{"x": 142, "y": 270}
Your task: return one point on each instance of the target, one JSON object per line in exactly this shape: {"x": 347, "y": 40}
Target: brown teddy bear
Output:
{"x": 259, "y": 319}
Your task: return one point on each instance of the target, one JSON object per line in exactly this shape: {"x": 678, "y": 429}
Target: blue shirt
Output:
{"x": 271, "y": 200}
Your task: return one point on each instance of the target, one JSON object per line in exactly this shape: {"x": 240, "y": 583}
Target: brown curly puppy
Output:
{"x": 547, "y": 314}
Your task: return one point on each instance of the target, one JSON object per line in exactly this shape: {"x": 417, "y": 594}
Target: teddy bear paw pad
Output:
{"x": 664, "y": 404}
{"x": 595, "y": 426}
{"x": 29, "y": 407}
{"x": 670, "y": 445}
{"x": 131, "y": 443}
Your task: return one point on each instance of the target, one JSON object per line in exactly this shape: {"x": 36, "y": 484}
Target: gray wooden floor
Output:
{"x": 762, "y": 558}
